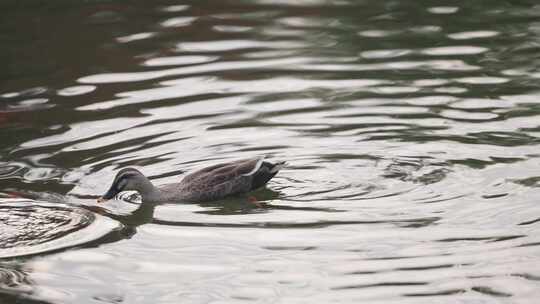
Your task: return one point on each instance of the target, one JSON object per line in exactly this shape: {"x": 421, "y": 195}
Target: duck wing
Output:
{"x": 225, "y": 179}
{"x": 240, "y": 166}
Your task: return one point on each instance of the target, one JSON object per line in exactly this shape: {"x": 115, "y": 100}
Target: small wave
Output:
{"x": 30, "y": 227}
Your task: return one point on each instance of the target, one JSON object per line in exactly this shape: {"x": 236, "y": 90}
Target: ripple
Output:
{"x": 380, "y": 54}
{"x": 307, "y": 22}
{"x": 450, "y": 90}
{"x": 31, "y": 104}
{"x": 135, "y": 37}
{"x": 198, "y": 86}
{"x": 178, "y": 21}
{"x": 377, "y": 33}
{"x": 14, "y": 279}
{"x": 269, "y": 54}
{"x": 478, "y": 103}
{"x": 472, "y": 35}
{"x": 449, "y": 65}
{"x": 77, "y": 90}
{"x": 394, "y": 90}
{"x": 229, "y": 45}
{"x": 303, "y": 3}
{"x": 31, "y": 171}
{"x": 455, "y": 114}
{"x": 231, "y": 28}
{"x": 428, "y": 29}
{"x": 417, "y": 170}
{"x": 203, "y": 68}
{"x": 175, "y": 8}
{"x": 29, "y": 227}
{"x": 26, "y": 93}
{"x": 105, "y": 16}
{"x": 430, "y": 82}
{"x": 178, "y": 60}
{"x": 482, "y": 80}
{"x": 281, "y": 32}
{"x": 454, "y": 50}
{"x": 9, "y": 170}
{"x": 443, "y": 9}
{"x": 431, "y": 100}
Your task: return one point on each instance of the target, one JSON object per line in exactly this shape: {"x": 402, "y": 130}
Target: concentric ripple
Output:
{"x": 13, "y": 279}
{"x": 29, "y": 227}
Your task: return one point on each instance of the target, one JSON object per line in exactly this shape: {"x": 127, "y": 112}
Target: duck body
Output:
{"x": 207, "y": 184}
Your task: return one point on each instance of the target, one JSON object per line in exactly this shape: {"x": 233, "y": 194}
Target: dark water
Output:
{"x": 412, "y": 130}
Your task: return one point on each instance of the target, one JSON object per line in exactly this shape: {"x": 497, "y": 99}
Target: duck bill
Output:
{"x": 112, "y": 192}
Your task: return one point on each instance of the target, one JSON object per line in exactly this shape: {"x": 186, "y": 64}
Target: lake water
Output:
{"x": 411, "y": 129}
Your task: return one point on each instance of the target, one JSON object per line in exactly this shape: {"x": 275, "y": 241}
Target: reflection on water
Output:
{"x": 411, "y": 128}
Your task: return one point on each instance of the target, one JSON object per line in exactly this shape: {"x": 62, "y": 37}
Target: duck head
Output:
{"x": 128, "y": 179}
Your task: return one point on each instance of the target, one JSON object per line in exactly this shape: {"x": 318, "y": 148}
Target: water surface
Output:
{"x": 411, "y": 129}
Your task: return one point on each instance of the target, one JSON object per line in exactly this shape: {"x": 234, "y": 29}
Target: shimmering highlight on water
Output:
{"x": 411, "y": 129}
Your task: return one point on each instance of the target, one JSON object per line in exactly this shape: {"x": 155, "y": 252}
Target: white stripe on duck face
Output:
{"x": 121, "y": 183}
{"x": 125, "y": 174}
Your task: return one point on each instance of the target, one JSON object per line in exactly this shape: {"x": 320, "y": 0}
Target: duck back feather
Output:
{"x": 226, "y": 179}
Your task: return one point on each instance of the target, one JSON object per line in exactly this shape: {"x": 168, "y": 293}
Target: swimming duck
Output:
{"x": 207, "y": 184}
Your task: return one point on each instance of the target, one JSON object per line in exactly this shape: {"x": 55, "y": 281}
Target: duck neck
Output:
{"x": 149, "y": 192}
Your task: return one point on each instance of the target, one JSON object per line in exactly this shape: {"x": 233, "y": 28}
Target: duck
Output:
{"x": 207, "y": 184}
